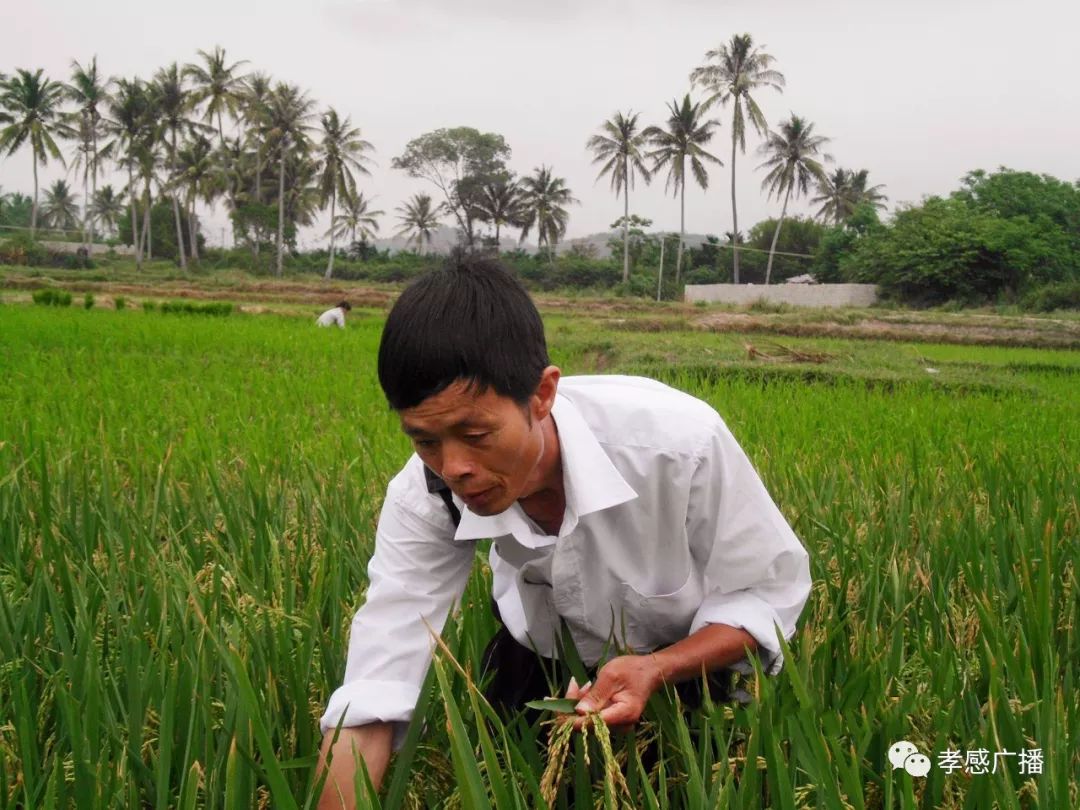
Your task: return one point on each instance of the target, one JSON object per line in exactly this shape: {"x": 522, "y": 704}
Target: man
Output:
{"x": 617, "y": 505}
{"x": 333, "y": 316}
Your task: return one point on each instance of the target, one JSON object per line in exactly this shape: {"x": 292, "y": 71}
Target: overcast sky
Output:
{"x": 917, "y": 92}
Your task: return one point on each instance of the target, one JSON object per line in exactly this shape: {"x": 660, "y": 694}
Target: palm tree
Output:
{"x": 500, "y": 204}
{"x": 32, "y": 103}
{"x": 737, "y": 70}
{"x": 419, "y": 219}
{"x": 149, "y": 163}
{"x": 61, "y": 210}
{"x": 174, "y": 105}
{"x": 834, "y": 196}
{"x": 791, "y": 157}
{"x": 89, "y": 91}
{"x": 287, "y": 113}
{"x": 841, "y": 192}
{"x": 342, "y": 153}
{"x": 127, "y": 123}
{"x": 15, "y": 209}
{"x": 217, "y": 84}
{"x": 303, "y": 200}
{"x": 5, "y": 117}
{"x": 544, "y": 201}
{"x": 355, "y": 217}
{"x": 864, "y": 194}
{"x": 685, "y": 137}
{"x": 619, "y": 147}
{"x": 254, "y": 97}
{"x": 108, "y": 208}
{"x": 198, "y": 175}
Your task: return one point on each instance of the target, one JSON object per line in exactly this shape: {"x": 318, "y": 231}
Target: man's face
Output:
{"x": 485, "y": 446}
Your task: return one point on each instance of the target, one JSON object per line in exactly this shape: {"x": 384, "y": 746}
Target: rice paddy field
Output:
{"x": 187, "y": 507}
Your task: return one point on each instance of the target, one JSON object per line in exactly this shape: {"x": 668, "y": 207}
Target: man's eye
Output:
{"x": 427, "y": 444}
{"x": 475, "y": 437}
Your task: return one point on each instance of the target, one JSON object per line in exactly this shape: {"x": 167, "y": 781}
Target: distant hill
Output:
{"x": 445, "y": 238}
{"x": 599, "y": 241}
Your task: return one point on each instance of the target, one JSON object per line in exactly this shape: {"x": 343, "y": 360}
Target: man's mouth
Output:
{"x": 477, "y": 497}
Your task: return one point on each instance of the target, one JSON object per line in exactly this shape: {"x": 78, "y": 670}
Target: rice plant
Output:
{"x": 187, "y": 511}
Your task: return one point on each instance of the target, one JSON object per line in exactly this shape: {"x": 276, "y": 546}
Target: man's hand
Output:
{"x": 371, "y": 743}
{"x": 625, "y": 684}
{"x": 623, "y": 687}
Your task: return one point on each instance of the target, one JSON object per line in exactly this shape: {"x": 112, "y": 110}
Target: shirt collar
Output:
{"x": 591, "y": 481}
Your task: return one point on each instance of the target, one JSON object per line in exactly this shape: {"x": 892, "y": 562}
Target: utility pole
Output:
{"x": 660, "y": 277}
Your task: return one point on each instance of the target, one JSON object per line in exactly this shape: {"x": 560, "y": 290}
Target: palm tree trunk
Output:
{"x": 134, "y": 221}
{"x": 776, "y": 236}
{"x": 498, "y": 244}
{"x": 281, "y": 212}
{"x": 625, "y": 225}
{"x": 33, "y": 210}
{"x": 330, "y": 261}
{"x": 193, "y": 234}
{"x": 146, "y": 221}
{"x": 85, "y": 208}
{"x": 258, "y": 192}
{"x": 93, "y": 185}
{"x": 734, "y": 214}
{"x": 682, "y": 225}
{"x": 176, "y": 205}
{"x": 146, "y": 246}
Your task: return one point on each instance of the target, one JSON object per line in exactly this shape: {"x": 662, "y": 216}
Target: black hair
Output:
{"x": 345, "y": 305}
{"x": 471, "y": 320}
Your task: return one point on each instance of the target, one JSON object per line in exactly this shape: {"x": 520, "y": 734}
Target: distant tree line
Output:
{"x": 209, "y": 132}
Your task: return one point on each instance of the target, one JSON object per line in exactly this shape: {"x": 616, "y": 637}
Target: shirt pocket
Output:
{"x": 657, "y": 620}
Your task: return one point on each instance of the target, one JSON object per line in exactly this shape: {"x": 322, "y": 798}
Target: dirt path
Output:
{"x": 1047, "y": 334}
{"x": 258, "y": 295}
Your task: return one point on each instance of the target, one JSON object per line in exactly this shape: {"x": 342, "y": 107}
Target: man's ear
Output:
{"x": 543, "y": 399}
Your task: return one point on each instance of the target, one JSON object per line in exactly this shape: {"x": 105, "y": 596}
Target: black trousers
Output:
{"x": 519, "y": 675}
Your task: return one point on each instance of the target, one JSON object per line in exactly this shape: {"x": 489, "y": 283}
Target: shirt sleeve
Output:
{"x": 417, "y": 574}
{"x": 756, "y": 572}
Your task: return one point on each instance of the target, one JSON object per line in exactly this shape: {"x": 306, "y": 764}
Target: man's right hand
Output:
{"x": 373, "y": 743}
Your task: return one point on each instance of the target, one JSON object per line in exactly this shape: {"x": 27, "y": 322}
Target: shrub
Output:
{"x": 1058, "y": 295}
{"x": 52, "y": 298}
{"x": 148, "y": 306}
{"x": 944, "y": 249}
{"x": 20, "y": 249}
{"x": 88, "y": 301}
{"x": 218, "y": 308}
{"x": 119, "y": 302}
{"x": 71, "y": 261}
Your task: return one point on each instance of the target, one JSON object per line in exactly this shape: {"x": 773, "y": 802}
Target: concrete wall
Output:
{"x": 95, "y": 249}
{"x": 799, "y": 295}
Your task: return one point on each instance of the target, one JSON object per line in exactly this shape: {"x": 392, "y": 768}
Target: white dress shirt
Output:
{"x": 332, "y": 317}
{"x": 667, "y": 528}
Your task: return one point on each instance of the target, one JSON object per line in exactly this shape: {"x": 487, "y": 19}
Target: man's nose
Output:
{"x": 456, "y": 462}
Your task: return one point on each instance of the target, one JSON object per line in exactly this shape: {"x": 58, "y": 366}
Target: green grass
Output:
{"x": 187, "y": 508}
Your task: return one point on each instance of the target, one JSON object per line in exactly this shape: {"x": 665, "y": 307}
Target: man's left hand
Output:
{"x": 623, "y": 686}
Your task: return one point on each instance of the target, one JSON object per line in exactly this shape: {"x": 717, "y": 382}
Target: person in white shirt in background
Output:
{"x": 617, "y": 505}
{"x": 335, "y": 316}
